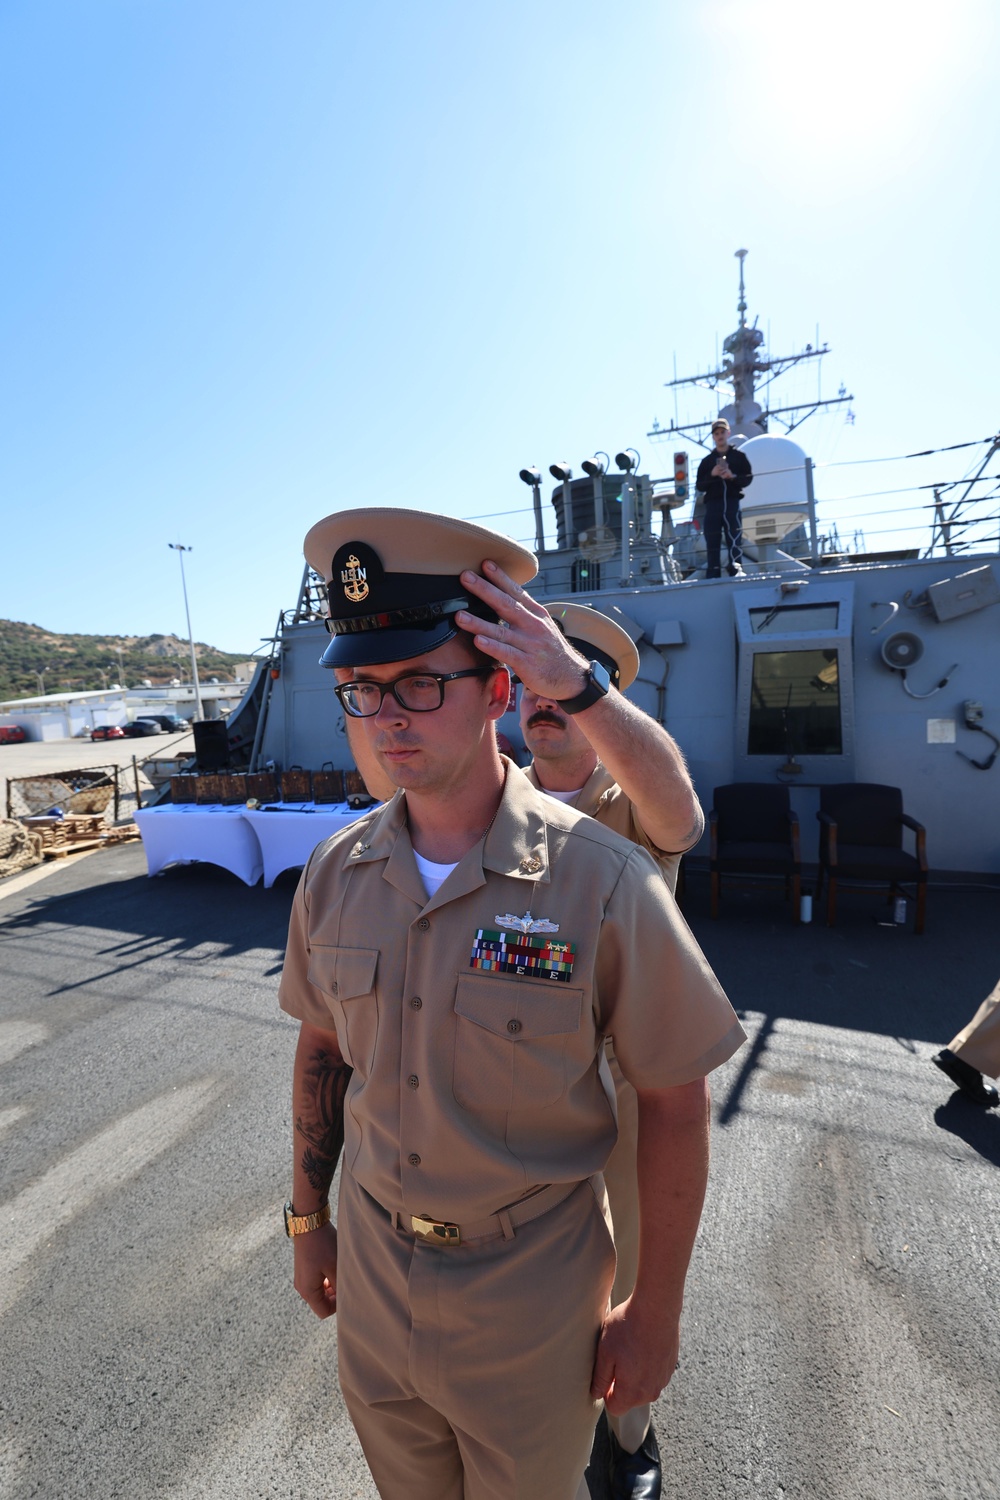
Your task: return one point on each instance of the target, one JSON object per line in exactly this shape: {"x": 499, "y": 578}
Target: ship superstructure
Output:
{"x": 821, "y": 665}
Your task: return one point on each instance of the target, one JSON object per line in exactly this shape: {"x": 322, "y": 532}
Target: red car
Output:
{"x": 12, "y": 734}
{"x": 107, "y": 732}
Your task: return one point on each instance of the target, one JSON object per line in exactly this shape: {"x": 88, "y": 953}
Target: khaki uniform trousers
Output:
{"x": 622, "y": 1184}
{"x": 466, "y": 1370}
{"x": 978, "y": 1044}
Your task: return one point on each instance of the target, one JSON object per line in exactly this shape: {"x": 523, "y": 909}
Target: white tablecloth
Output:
{"x": 247, "y": 841}
{"x": 287, "y": 838}
{"x": 179, "y": 832}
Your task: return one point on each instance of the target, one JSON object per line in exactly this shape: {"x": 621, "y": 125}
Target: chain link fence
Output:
{"x": 111, "y": 792}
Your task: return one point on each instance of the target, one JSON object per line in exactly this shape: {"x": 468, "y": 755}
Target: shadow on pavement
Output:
{"x": 857, "y": 975}
{"x": 177, "y": 913}
{"x": 978, "y": 1127}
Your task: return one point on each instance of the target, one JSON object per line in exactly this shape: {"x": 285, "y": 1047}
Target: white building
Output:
{"x": 64, "y": 716}
{"x": 218, "y": 699}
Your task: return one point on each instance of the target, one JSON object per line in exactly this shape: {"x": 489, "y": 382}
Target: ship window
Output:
{"x": 795, "y": 703}
{"x": 586, "y": 576}
{"x": 783, "y": 618}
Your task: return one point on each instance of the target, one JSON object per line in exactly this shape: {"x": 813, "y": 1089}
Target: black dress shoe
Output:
{"x": 967, "y": 1079}
{"x": 635, "y": 1476}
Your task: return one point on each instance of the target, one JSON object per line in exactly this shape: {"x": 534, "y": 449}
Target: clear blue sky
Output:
{"x": 260, "y": 263}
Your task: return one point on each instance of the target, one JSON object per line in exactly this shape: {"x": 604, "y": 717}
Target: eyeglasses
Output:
{"x": 420, "y": 692}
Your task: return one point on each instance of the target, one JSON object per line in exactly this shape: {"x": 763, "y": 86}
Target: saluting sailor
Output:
{"x": 613, "y": 761}
{"x": 456, "y": 960}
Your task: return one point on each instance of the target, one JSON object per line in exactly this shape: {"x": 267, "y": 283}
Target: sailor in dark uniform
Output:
{"x": 723, "y": 475}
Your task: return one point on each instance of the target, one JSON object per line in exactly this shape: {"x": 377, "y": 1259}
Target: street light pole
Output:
{"x": 180, "y": 550}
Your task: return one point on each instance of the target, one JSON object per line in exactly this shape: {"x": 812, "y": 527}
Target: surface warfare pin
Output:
{"x": 527, "y": 923}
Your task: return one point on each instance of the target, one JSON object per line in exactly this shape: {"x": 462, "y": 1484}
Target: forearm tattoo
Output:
{"x": 321, "y": 1123}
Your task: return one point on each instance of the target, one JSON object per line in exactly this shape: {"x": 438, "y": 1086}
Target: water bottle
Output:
{"x": 899, "y": 910}
{"x": 806, "y": 907}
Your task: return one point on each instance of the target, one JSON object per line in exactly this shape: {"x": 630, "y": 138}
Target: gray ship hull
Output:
{"x": 699, "y": 642}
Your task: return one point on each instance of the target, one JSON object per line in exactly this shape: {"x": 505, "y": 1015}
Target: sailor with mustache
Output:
{"x": 615, "y": 763}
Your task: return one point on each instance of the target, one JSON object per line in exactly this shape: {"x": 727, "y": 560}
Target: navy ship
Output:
{"x": 820, "y": 664}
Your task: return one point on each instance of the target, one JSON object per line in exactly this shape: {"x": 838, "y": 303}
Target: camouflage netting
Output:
{"x": 18, "y": 850}
{"x": 91, "y": 790}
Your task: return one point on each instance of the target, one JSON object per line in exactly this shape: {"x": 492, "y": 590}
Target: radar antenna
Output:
{"x": 739, "y": 371}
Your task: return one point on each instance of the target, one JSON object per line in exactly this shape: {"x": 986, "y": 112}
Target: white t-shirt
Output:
{"x": 432, "y": 875}
{"x": 566, "y": 797}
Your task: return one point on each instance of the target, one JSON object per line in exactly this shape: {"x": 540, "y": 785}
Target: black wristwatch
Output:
{"x": 596, "y": 687}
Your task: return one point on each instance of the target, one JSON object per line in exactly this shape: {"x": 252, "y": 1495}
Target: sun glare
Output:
{"x": 858, "y": 84}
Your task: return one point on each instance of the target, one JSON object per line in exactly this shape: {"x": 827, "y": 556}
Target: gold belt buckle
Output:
{"x": 434, "y": 1231}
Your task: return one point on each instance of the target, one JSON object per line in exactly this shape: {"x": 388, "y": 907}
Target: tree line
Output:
{"x": 36, "y": 661}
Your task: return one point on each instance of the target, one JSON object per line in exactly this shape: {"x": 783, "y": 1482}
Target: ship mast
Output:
{"x": 739, "y": 371}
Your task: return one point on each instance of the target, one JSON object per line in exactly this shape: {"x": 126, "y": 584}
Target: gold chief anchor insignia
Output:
{"x": 527, "y": 923}
{"x": 354, "y": 580}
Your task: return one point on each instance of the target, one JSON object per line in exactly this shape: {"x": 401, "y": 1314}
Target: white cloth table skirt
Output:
{"x": 288, "y": 837}
{"x": 247, "y": 841}
{"x": 180, "y": 832}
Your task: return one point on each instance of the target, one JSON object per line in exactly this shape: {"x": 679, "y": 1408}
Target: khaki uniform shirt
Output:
{"x": 472, "y": 1086}
{"x": 602, "y": 798}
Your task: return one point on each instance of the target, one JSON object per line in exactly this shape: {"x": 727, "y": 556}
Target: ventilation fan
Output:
{"x": 902, "y": 650}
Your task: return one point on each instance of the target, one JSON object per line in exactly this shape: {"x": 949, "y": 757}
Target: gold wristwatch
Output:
{"x": 303, "y": 1223}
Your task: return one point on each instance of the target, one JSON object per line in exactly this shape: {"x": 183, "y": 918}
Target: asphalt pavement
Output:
{"x": 842, "y": 1326}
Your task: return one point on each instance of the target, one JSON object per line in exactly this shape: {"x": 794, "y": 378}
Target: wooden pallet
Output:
{"x": 56, "y": 833}
{"x": 120, "y": 835}
{"x": 93, "y": 838}
{"x": 59, "y": 851}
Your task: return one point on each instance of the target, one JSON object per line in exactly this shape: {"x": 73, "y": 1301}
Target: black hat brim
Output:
{"x": 373, "y": 648}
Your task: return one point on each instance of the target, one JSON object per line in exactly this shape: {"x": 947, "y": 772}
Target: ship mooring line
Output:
{"x": 843, "y": 463}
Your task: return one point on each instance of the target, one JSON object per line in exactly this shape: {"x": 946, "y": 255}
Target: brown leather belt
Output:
{"x": 502, "y": 1224}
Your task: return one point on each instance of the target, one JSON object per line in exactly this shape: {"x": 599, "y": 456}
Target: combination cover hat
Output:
{"x": 393, "y": 579}
{"x": 595, "y": 635}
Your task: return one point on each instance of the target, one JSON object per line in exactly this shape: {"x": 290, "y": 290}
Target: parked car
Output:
{"x": 141, "y": 726}
{"x": 12, "y": 734}
{"x": 170, "y": 722}
{"x": 107, "y": 732}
